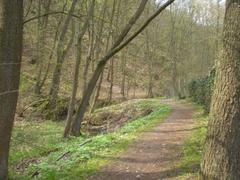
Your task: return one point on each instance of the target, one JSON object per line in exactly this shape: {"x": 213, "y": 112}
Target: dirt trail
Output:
{"x": 154, "y": 155}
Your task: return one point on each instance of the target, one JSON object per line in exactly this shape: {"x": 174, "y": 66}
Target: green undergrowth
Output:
{"x": 38, "y": 148}
{"x": 26, "y": 83}
{"x": 193, "y": 146}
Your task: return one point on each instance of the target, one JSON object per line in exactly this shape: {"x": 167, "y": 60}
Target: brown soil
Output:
{"x": 155, "y": 154}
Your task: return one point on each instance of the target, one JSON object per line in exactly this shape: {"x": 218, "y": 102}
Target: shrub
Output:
{"x": 200, "y": 90}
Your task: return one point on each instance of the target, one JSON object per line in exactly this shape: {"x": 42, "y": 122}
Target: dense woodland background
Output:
{"x": 179, "y": 46}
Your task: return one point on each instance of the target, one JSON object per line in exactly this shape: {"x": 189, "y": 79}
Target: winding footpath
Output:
{"x": 153, "y": 156}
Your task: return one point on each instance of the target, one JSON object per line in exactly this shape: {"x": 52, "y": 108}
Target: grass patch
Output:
{"x": 39, "y": 145}
{"x": 193, "y": 147}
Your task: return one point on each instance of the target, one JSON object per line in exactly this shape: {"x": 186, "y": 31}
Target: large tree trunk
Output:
{"x": 222, "y": 152}
{"x": 11, "y": 13}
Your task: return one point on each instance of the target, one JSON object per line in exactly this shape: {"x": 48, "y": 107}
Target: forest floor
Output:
{"x": 156, "y": 154}
{"x": 156, "y": 139}
{"x": 38, "y": 149}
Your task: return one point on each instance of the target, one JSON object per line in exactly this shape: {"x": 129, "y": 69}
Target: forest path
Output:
{"x": 155, "y": 153}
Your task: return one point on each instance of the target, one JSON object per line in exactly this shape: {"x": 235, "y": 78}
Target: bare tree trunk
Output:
{"x": 110, "y": 69}
{"x": 95, "y": 98}
{"x": 11, "y": 21}
{"x": 98, "y": 50}
{"x": 117, "y": 46}
{"x": 42, "y": 26}
{"x": 221, "y": 158}
{"x": 135, "y": 78}
{"x": 123, "y": 66}
{"x": 111, "y": 74}
{"x": 148, "y": 57}
{"x": 93, "y": 43}
{"x": 99, "y": 34}
{"x": 172, "y": 48}
{"x": 41, "y": 81}
{"x": 61, "y": 53}
{"x": 150, "y": 81}
{"x": 77, "y": 66}
{"x": 174, "y": 77}
{"x": 129, "y": 88}
{"x": 115, "y": 32}
{"x": 89, "y": 58}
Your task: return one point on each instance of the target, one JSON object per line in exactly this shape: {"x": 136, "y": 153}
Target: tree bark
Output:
{"x": 77, "y": 66}
{"x": 42, "y": 26}
{"x": 11, "y": 21}
{"x": 96, "y": 94}
{"x": 173, "y": 54}
{"x": 61, "y": 53}
{"x": 111, "y": 68}
{"x": 123, "y": 69}
{"x": 112, "y": 33}
{"x": 221, "y": 158}
{"x": 148, "y": 57}
{"x": 89, "y": 58}
{"x": 135, "y": 78}
{"x": 51, "y": 55}
{"x": 98, "y": 51}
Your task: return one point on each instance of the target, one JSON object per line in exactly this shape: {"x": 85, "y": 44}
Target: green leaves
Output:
{"x": 200, "y": 90}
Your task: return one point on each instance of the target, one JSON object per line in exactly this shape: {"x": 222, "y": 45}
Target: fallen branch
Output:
{"x": 30, "y": 105}
{"x": 85, "y": 142}
{"x": 62, "y": 156}
{"x": 68, "y": 152}
{"x": 37, "y": 172}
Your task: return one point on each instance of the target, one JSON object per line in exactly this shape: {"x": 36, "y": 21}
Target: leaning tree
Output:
{"x": 120, "y": 42}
